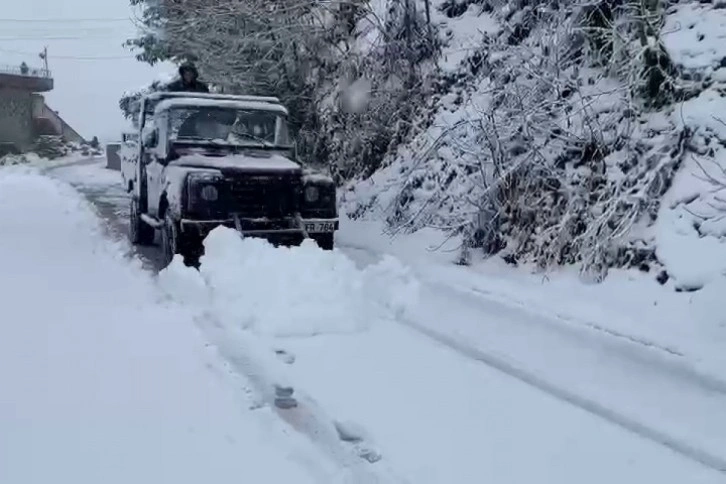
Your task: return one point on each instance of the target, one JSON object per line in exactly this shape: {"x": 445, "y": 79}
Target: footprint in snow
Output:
{"x": 285, "y": 357}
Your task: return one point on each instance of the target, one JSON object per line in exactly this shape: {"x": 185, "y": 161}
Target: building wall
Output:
{"x": 41, "y": 110}
{"x": 16, "y": 118}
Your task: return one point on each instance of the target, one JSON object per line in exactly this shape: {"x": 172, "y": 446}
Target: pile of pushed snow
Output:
{"x": 297, "y": 291}
{"x": 101, "y": 380}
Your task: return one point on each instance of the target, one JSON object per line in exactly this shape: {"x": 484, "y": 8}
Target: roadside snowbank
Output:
{"x": 101, "y": 380}
{"x": 33, "y": 159}
{"x": 689, "y": 327}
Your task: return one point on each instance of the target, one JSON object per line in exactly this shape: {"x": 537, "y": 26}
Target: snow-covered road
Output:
{"x": 101, "y": 380}
{"x": 443, "y": 383}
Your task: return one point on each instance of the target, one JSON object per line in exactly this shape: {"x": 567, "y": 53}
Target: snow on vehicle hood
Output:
{"x": 257, "y": 161}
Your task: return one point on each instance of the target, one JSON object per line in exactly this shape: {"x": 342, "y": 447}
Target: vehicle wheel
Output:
{"x": 139, "y": 232}
{"x": 169, "y": 240}
{"x": 325, "y": 241}
{"x": 173, "y": 242}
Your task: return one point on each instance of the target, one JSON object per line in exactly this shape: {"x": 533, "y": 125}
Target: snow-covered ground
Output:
{"x": 434, "y": 373}
{"x": 442, "y": 373}
{"x": 433, "y": 413}
{"x": 104, "y": 381}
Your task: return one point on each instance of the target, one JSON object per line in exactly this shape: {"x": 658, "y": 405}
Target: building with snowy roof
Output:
{"x": 24, "y": 115}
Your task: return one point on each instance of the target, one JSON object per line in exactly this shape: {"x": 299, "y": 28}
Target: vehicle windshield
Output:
{"x": 243, "y": 127}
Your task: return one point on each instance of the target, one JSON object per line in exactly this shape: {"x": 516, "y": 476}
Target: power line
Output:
{"x": 59, "y": 29}
{"x": 64, "y": 20}
{"x": 60, "y": 37}
{"x": 71, "y": 57}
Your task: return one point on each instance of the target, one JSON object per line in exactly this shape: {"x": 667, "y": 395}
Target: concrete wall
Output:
{"x": 35, "y": 80}
{"x": 16, "y": 118}
{"x": 41, "y": 110}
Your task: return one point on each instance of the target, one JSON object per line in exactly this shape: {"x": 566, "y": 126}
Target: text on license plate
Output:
{"x": 319, "y": 227}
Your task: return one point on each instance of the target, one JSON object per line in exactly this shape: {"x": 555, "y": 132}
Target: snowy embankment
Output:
{"x": 102, "y": 380}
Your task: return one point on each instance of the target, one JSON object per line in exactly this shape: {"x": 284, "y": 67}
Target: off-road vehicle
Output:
{"x": 207, "y": 160}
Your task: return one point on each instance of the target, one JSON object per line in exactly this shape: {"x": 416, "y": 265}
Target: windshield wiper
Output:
{"x": 210, "y": 141}
{"x": 262, "y": 141}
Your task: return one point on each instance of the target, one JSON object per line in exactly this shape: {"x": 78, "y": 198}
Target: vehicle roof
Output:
{"x": 154, "y": 96}
{"x": 239, "y": 103}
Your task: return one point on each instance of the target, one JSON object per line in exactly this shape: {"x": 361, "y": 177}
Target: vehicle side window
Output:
{"x": 162, "y": 124}
{"x": 282, "y": 136}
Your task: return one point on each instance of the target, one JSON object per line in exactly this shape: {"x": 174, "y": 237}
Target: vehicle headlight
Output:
{"x": 209, "y": 193}
{"x": 202, "y": 189}
{"x": 312, "y": 194}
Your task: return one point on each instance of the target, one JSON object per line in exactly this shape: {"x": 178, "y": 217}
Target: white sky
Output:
{"x": 86, "y": 90}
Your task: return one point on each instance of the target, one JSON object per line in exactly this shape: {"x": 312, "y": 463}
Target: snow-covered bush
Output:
{"x": 545, "y": 159}
{"x": 11, "y": 159}
{"x": 51, "y": 147}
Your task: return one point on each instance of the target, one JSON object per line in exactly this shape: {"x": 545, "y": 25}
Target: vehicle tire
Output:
{"x": 169, "y": 240}
{"x": 139, "y": 232}
{"x": 174, "y": 242}
{"x": 325, "y": 241}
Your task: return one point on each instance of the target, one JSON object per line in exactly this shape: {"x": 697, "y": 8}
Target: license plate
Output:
{"x": 315, "y": 227}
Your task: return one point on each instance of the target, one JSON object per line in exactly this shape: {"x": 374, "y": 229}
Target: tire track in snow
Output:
{"x": 306, "y": 417}
{"x": 628, "y": 346}
{"x": 591, "y": 406}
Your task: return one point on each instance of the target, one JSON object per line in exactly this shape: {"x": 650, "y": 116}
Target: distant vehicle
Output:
{"x": 208, "y": 160}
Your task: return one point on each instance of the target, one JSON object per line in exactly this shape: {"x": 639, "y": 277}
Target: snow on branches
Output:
{"x": 544, "y": 159}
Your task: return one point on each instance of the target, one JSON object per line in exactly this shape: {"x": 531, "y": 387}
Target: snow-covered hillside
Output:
{"x": 571, "y": 135}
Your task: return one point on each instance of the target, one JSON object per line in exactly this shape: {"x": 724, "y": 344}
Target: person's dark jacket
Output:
{"x": 181, "y": 85}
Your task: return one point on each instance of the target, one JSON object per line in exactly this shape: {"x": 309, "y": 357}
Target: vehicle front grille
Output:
{"x": 263, "y": 196}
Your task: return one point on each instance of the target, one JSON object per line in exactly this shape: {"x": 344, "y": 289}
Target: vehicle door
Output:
{"x": 129, "y": 157}
{"x": 140, "y": 148}
{"x": 155, "y": 163}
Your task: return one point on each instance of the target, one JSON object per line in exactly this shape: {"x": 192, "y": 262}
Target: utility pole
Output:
{"x": 44, "y": 55}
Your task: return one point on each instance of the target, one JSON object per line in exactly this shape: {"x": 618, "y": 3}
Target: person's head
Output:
{"x": 188, "y": 73}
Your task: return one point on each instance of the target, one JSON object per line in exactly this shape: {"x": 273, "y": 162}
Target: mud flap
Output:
{"x": 301, "y": 225}
{"x": 238, "y": 225}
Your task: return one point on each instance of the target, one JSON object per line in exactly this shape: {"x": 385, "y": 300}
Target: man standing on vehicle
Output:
{"x": 189, "y": 80}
